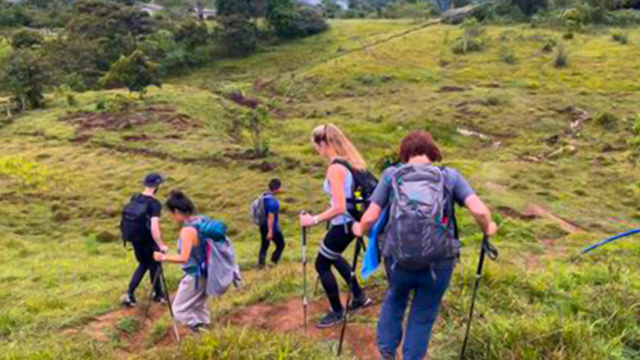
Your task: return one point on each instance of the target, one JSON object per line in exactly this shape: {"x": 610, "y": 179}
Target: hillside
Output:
{"x": 552, "y": 150}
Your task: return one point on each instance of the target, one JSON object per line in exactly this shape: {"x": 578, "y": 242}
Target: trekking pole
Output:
{"x": 166, "y": 291}
{"x": 153, "y": 286}
{"x": 486, "y": 250}
{"x": 352, "y": 280}
{"x": 305, "y": 300}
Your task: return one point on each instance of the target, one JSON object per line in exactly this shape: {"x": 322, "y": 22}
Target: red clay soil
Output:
{"x": 89, "y": 121}
{"x": 287, "y": 317}
{"x": 139, "y": 340}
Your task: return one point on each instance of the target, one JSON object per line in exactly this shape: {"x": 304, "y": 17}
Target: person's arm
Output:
{"x": 188, "y": 239}
{"x": 482, "y": 214}
{"x": 156, "y": 233}
{"x": 368, "y": 220}
{"x": 336, "y": 175}
{"x": 271, "y": 224}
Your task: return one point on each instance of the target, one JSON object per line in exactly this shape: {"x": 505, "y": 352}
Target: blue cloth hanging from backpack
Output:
{"x": 372, "y": 255}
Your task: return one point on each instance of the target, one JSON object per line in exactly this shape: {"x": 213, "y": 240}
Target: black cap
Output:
{"x": 153, "y": 180}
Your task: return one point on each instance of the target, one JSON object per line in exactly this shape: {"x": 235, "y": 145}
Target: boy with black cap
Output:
{"x": 141, "y": 226}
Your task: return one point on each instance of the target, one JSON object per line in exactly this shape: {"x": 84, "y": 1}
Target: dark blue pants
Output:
{"x": 427, "y": 289}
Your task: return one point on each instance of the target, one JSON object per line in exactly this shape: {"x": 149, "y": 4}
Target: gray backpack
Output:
{"x": 257, "y": 211}
{"x": 420, "y": 218}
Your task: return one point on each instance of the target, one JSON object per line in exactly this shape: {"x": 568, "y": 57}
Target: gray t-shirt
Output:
{"x": 458, "y": 188}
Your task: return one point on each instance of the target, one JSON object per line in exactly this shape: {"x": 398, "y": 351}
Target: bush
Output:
{"x": 25, "y": 77}
{"x": 192, "y": 34}
{"x": 607, "y": 121}
{"x": 421, "y": 10}
{"x": 88, "y": 61}
{"x": 238, "y": 34}
{"x": 331, "y": 8}
{"x": 12, "y": 15}
{"x": 289, "y": 20}
{"x": 471, "y": 40}
{"x": 23, "y": 39}
{"x": 620, "y": 37}
{"x": 135, "y": 72}
{"x": 549, "y": 45}
{"x": 311, "y": 21}
{"x": 508, "y": 56}
{"x": 562, "y": 59}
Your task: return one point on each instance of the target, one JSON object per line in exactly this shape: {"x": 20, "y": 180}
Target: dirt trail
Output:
{"x": 105, "y": 327}
{"x": 537, "y": 210}
{"x": 287, "y": 317}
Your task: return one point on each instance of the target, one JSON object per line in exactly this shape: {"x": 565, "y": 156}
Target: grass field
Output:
{"x": 64, "y": 178}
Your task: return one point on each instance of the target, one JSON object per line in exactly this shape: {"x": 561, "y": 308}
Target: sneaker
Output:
{"x": 198, "y": 327}
{"x": 128, "y": 300}
{"x": 360, "y": 303}
{"x": 160, "y": 299}
{"x": 330, "y": 319}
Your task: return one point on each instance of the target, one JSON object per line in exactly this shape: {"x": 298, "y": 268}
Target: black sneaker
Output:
{"x": 330, "y": 319}
{"x": 128, "y": 300}
{"x": 198, "y": 327}
{"x": 360, "y": 303}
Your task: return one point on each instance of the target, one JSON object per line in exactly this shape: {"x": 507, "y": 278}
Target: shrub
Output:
{"x": 192, "y": 34}
{"x": 607, "y": 121}
{"x": 25, "y": 77}
{"x": 12, "y": 15}
{"x": 289, "y": 20}
{"x": 26, "y": 39}
{"x": 238, "y": 34}
{"x": 620, "y": 37}
{"x": 508, "y": 56}
{"x": 549, "y": 45}
{"x": 135, "y": 72}
{"x": 331, "y": 8}
{"x": 311, "y": 21}
{"x": 471, "y": 40}
{"x": 402, "y": 9}
{"x": 562, "y": 59}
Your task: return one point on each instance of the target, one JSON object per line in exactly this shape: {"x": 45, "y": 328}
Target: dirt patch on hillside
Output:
{"x": 108, "y": 328}
{"x": 88, "y": 122}
{"x": 360, "y": 338}
{"x": 566, "y": 225}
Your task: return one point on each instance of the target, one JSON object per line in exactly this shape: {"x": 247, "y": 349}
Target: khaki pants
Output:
{"x": 190, "y": 305}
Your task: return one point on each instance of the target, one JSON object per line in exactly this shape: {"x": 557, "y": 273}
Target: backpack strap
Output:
{"x": 452, "y": 203}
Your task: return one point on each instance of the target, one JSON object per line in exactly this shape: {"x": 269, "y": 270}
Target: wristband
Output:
{"x": 315, "y": 220}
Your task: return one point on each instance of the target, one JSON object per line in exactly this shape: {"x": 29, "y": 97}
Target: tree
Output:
{"x": 331, "y": 8}
{"x": 238, "y": 32}
{"x": 192, "y": 34}
{"x": 23, "y": 39}
{"x": 134, "y": 72}
{"x": 281, "y": 15}
{"x": 239, "y": 35}
{"x": 25, "y": 77}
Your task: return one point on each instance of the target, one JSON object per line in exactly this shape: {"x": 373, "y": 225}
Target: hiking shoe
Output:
{"x": 360, "y": 303}
{"x": 160, "y": 299}
{"x": 128, "y": 300}
{"x": 330, "y": 319}
{"x": 197, "y": 328}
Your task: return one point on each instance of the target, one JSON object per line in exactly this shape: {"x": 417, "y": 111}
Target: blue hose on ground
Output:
{"x": 613, "y": 238}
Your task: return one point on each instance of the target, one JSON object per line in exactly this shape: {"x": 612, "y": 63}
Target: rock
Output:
{"x": 452, "y": 89}
{"x": 106, "y": 237}
{"x": 109, "y": 212}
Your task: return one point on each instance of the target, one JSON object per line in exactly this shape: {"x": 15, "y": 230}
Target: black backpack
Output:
{"x": 364, "y": 184}
{"x": 135, "y": 222}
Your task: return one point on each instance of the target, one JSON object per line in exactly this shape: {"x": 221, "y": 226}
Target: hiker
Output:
{"x": 190, "y": 303}
{"x": 333, "y": 145}
{"x": 270, "y": 225}
{"x": 141, "y": 226}
{"x": 420, "y": 268}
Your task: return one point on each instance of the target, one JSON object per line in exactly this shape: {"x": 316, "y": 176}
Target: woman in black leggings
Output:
{"x": 332, "y": 144}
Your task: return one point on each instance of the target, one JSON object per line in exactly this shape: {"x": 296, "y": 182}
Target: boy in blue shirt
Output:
{"x": 270, "y": 228}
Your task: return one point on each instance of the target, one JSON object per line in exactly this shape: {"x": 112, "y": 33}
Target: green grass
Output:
{"x": 60, "y": 191}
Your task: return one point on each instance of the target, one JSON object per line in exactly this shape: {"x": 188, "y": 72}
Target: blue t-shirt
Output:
{"x": 458, "y": 187}
{"x": 272, "y": 206}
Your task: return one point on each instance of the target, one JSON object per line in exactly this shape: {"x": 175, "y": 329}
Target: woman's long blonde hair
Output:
{"x": 335, "y": 138}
